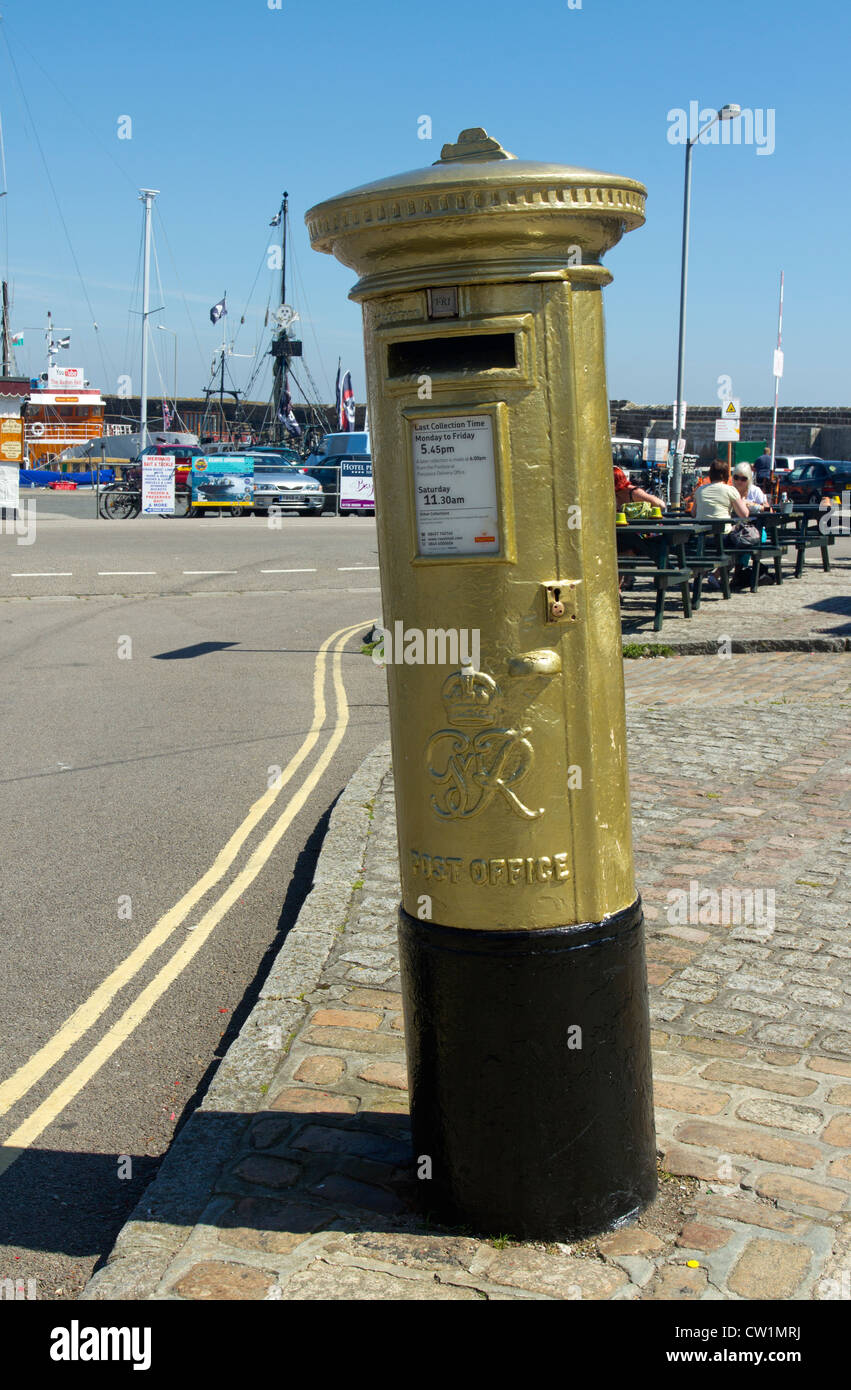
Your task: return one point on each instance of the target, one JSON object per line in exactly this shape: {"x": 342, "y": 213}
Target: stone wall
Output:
{"x": 821, "y": 430}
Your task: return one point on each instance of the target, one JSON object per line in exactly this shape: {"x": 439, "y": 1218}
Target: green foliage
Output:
{"x": 633, "y": 650}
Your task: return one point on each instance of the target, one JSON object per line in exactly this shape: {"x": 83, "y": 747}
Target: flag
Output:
{"x": 287, "y": 416}
{"x": 18, "y": 340}
{"x": 347, "y": 404}
{"x": 218, "y": 311}
{"x": 337, "y": 389}
{"x": 276, "y": 220}
{"x": 64, "y": 342}
{"x": 166, "y": 416}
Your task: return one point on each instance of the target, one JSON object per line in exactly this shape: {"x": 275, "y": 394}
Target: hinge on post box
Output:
{"x": 560, "y": 600}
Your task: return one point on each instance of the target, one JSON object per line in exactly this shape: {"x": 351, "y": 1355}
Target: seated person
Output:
{"x": 747, "y": 488}
{"x": 625, "y": 492}
{"x": 717, "y": 499}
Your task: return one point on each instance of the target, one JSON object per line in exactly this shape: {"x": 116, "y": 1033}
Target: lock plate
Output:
{"x": 561, "y": 600}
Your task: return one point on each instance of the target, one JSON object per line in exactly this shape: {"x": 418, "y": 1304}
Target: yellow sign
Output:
{"x": 11, "y": 443}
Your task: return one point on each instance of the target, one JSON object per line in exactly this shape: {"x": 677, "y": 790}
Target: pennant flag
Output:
{"x": 347, "y": 404}
{"x": 218, "y": 311}
{"x": 166, "y": 416}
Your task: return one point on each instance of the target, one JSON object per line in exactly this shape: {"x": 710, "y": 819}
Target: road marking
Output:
{"x": 209, "y": 571}
{"x": 87, "y": 1013}
{"x": 111, "y": 572}
{"x": 67, "y": 1090}
{"x": 313, "y": 571}
{"x": 342, "y": 568}
{"x": 43, "y": 574}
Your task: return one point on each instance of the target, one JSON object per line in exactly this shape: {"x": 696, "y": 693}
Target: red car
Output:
{"x": 183, "y": 456}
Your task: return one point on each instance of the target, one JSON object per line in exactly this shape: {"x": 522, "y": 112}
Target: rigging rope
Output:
{"x": 107, "y": 373}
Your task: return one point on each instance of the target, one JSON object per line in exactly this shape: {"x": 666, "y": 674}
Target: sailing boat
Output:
{"x": 279, "y": 427}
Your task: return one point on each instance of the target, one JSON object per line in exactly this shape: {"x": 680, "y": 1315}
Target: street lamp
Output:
{"x": 727, "y": 113}
{"x": 163, "y": 329}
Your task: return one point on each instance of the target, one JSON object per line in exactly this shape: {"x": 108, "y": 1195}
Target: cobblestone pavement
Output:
{"x": 815, "y": 608}
{"x": 742, "y": 818}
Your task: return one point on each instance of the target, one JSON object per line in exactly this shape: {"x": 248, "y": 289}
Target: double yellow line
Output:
{"x": 84, "y": 1017}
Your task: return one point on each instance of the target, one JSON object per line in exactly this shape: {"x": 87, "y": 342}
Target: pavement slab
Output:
{"x": 741, "y": 795}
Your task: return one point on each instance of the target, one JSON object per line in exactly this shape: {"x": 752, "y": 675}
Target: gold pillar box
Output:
{"x": 481, "y": 289}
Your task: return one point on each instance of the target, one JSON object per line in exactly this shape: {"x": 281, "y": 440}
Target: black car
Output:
{"x": 813, "y": 481}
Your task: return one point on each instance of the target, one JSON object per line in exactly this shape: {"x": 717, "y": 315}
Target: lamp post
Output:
{"x": 726, "y": 113}
{"x": 163, "y": 329}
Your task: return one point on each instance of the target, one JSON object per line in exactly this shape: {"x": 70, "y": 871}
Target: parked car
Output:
{"x": 283, "y": 485}
{"x": 813, "y": 481}
{"x": 784, "y": 463}
{"x": 277, "y": 453}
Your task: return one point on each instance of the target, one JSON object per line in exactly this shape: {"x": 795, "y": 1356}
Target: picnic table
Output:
{"x": 668, "y": 550}
{"x": 676, "y": 551}
{"x": 801, "y": 529}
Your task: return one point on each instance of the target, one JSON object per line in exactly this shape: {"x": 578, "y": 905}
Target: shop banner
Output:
{"x": 158, "y": 485}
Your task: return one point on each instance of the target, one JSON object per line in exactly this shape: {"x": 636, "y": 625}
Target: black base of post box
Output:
{"x": 530, "y": 1077}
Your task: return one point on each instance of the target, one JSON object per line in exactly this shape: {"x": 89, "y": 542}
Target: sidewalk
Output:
{"x": 294, "y": 1181}
{"x": 811, "y": 613}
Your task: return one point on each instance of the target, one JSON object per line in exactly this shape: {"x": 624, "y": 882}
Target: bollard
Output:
{"x": 520, "y": 930}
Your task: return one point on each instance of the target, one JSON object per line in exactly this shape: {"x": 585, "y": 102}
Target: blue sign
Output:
{"x": 224, "y": 481}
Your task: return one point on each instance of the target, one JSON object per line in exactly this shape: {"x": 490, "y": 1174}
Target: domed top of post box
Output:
{"x": 481, "y": 211}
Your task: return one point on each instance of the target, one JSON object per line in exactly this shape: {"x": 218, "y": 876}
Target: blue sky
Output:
{"x": 232, "y": 101}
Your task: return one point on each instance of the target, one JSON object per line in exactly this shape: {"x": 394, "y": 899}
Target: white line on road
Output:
{"x": 341, "y": 568}
{"x": 209, "y": 571}
{"x": 82, "y": 1019}
{"x": 313, "y": 571}
{"x": 43, "y": 574}
{"x": 124, "y": 572}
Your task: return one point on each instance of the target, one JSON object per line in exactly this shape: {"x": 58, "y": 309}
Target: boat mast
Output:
{"x": 146, "y": 195}
{"x": 51, "y": 345}
{"x": 8, "y": 354}
{"x": 280, "y": 380}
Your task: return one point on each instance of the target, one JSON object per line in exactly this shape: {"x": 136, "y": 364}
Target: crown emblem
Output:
{"x": 470, "y": 697}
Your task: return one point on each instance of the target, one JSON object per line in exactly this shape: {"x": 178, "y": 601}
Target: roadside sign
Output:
{"x": 731, "y": 409}
{"x": 356, "y": 484}
{"x": 682, "y": 417}
{"x": 726, "y": 431}
{"x": 11, "y": 439}
{"x": 656, "y": 450}
{"x": 158, "y": 485}
{"x": 9, "y": 483}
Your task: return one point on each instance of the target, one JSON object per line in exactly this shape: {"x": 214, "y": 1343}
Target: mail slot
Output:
{"x": 521, "y": 931}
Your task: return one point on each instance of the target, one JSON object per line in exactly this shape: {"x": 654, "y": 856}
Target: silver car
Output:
{"x": 287, "y": 488}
